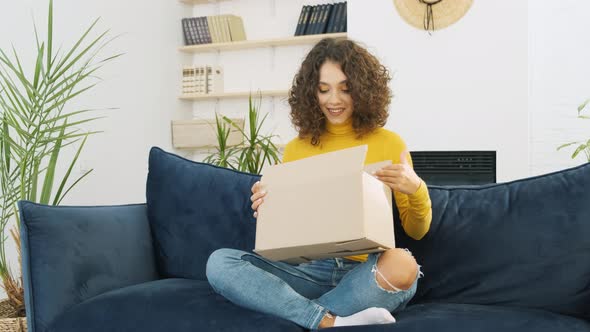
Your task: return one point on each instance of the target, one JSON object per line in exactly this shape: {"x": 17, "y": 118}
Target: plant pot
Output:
{"x": 9, "y": 322}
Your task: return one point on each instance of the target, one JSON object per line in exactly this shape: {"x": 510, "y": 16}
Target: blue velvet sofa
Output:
{"x": 504, "y": 257}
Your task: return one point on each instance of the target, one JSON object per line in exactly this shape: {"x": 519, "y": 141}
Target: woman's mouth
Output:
{"x": 335, "y": 111}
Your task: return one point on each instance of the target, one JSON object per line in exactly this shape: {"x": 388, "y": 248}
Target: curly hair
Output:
{"x": 367, "y": 82}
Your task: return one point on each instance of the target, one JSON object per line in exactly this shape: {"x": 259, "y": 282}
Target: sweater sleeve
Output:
{"x": 415, "y": 210}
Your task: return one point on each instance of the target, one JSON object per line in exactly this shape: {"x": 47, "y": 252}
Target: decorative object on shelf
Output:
{"x": 253, "y": 153}
{"x": 213, "y": 29}
{"x": 432, "y": 15}
{"x": 320, "y": 19}
{"x": 36, "y": 127}
{"x": 201, "y": 80}
{"x": 584, "y": 146}
{"x": 202, "y": 133}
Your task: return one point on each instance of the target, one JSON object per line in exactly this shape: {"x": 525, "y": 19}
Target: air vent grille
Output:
{"x": 455, "y": 167}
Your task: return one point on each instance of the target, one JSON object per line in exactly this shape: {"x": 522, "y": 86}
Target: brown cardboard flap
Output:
{"x": 320, "y": 251}
{"x": 301, "y": 259}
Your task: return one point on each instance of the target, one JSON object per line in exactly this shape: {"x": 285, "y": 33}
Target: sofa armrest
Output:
{"x": 70, "y": 254}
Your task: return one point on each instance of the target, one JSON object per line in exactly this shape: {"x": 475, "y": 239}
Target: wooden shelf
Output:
{"x": 246, "y": 44}
{"x": 267, "y": 93}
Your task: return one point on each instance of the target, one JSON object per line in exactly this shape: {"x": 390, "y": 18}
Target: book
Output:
{"x": 206, "y": 33}
{"x": 300, "y": 25}
{"x": 223, "y": 22}
{"x": 323, "y": 22}
{"x": 343, "y": 26}
{"x": 331, "y": 19}
{"x": 185, "y": 32}
{"x": 200, "y": 34}
{"x": 214, "y": 79}
{"x": 306, "y": 20}
{"x": 341, "y": 23}
{"x": 212, "y": 30}
{"x": 310, "y": 27}
{"x": 236, "y": 28}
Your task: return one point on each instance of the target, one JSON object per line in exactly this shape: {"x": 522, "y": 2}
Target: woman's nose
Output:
{"x": 334, "y": 97}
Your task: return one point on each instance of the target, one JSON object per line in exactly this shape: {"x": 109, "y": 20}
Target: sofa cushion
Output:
{"x": 194, "y": 209}
{"x": 179, "y": 305}
{"x": 73, "y": 253}
{"x": 524, "y": 243}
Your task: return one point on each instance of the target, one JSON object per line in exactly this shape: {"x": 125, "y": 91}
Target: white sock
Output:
{"x": 368, "y": 316}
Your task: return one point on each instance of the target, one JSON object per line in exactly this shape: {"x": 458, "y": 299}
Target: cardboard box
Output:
{"x": 324, "y": 206}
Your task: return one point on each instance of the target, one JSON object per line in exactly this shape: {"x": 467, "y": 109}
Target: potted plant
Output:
{"x": 583, "y": 146}
{"x": 35, "y": 128}
{"x": 255, "y": 150}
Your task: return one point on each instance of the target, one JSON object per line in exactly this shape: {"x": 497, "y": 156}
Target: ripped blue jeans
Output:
{"x": 302, "y": 293}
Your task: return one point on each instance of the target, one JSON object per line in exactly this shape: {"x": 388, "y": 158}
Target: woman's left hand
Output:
{"x": 400, "y": 177}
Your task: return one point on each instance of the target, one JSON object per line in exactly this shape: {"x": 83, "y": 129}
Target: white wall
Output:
{"x": 461, "y": 88}
{"x": 559, "y": 73}
{"x": 142, "y": 84}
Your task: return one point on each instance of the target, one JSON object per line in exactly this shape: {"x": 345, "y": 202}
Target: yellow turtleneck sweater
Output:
{"x": 415, "y": 209}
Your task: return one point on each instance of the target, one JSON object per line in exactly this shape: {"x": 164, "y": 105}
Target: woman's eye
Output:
{"x": 323, "y": 91}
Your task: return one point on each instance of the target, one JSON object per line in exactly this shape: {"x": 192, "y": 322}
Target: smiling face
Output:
{"x": 333, "y": 93}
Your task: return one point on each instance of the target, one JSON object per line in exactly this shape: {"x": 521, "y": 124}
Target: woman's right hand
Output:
{"x": 257, "y": 197}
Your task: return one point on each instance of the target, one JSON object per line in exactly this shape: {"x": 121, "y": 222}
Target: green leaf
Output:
{"x": 64, "y": 180}
{"x": 48, "y": 183}
{"x": 38, "y": 66}
{"x": 580, "y": 148}
{"x": 35, "y": 176}
{"x": 583, "y": 105}
{"x": 49, "y": 36}
{"x": 72, "y": 186}
{"x": 6, "y": 145}
{"x": 566, "y": 145}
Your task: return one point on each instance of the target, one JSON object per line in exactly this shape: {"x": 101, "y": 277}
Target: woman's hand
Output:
{"x": 257, "y": 197}
{"x": 400, "y": 177}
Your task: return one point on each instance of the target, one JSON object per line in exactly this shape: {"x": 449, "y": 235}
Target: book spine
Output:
{"x": 311, "y": 23}
{"x": 300, "y": 21}
{"x": 324, "y": 20}
{"x": 330, "y": 23}
{"x": 342, "y": 21}
{"x": 185, "y": 32}
{"x": 306, "y": 20}
{"x": 196, "y": 33}
{"x": 206, "y": 31}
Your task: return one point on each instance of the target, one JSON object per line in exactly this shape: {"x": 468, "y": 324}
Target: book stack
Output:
{"x": 202, "y": 80}
{"x": 318, "y": 19}
{"x": 213, "y": 29}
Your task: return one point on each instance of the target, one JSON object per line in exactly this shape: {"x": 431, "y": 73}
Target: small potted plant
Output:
{"x": 255, "y": 150}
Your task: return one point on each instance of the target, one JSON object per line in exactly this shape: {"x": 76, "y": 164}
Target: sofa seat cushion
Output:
{"x": 177, "y": 305}
{"x": 445, "y": 317}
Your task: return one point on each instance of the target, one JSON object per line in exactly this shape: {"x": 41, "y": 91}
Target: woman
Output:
{"x": 339, "y": 99}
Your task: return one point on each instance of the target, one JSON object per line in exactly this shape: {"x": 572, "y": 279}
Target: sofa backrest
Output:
{"x": 524, "y": 243}
{"x": 194, "y": 209}
{"x": 70, "y": 254}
